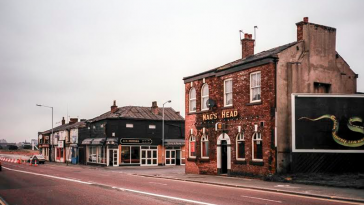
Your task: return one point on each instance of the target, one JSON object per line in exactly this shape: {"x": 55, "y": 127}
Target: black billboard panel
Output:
{"x": 327, "y": 123}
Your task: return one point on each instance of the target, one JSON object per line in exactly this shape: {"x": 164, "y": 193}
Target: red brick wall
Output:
{"x": 248, "y": 116}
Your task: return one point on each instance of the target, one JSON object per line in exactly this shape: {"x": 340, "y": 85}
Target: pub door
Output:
{"x": 223, "y": 157}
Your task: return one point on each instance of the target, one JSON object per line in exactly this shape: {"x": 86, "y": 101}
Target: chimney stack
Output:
{"x": 300, "y": 28}
{"x": 63, "y": 121}
{"x": 155, "y": 108}
{"x": 247, "y": 45}
{"x": 114, "y": 107}
{"x": 73, "y": 120}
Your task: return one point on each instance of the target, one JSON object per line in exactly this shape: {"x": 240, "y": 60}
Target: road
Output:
{"x": 54, "y": 184}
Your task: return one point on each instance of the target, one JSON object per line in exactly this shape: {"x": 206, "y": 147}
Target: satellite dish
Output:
{"x": 210, "y": 103}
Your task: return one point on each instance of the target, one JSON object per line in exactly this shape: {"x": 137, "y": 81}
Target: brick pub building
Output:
{"x": 250, "y": 98}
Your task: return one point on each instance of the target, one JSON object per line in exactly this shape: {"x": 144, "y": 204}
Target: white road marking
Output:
{"x": 158, "y": 183}
{"x": 49, "y": 176}
{"x": 122, "y": 189}
{"x": 287, "y": 186}
{"x": 261, "y": 199}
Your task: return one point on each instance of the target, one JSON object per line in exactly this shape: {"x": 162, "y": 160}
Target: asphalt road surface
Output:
{"x": 53, "y": 184}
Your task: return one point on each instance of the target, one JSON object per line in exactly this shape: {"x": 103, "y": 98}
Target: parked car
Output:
{"x": 92, "y": 158}
{"x": 37, "y": 158}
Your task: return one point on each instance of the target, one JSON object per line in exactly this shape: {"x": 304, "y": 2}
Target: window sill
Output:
{"x": 191, "y": 159}
{"x": 254, "y": 103}
{"x": 240, "y": 161}
{"x": 199, "y": 112}
{"x": 257, "y": 163}
{"x": 227, "y": 107}
{"x": 204, "y": 159}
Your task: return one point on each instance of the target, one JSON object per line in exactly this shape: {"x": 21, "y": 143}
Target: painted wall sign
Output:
{"x": 328, "y": 123}
{"x": 223, "y": 115}
{"x": 135, "y": 141}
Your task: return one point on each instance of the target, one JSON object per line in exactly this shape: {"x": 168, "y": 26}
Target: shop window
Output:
{"x": 101, "y": 155}
{"x": 130, "y": 154}
{"x": 192, "y": 147}
{"x": 255, "y": 87}
{"x": 240, "y": 146}
{"x": 152, "y": 127}
{"x": 92, "y": 154}
{"x": 257, "y": 147}
{"x": 129, "y": 125}
{"x": 204, "y": 146}
{"x": 204, "y": 96}
{"x": 192, "y": 98}
{"x": 228, "y": 92}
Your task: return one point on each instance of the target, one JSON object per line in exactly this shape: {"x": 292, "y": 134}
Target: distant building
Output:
{"x": 3, "y": 141}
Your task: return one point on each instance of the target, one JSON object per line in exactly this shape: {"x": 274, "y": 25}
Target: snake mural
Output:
{"x": 335, "y": 129}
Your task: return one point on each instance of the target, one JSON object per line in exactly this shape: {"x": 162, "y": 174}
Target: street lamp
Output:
{"x": 51, "y": 140}
{"x": 164, "y": 150}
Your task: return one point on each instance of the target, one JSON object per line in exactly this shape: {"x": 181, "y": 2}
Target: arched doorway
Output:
{"x": 223, "y": 154}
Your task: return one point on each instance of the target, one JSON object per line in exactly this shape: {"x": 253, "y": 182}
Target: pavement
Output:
{"x": 176, "y": 173}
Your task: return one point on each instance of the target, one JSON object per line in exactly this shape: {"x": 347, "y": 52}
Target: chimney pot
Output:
{"x": 305, "y": 19}
{"x": 246, "y": 36}
{"x": 63, "y": 121}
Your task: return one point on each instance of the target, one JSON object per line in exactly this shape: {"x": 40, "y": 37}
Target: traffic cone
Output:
{"x": 15, "y": 161}
{"x": 19, "y": 162}
{"x": 35, "y": 163}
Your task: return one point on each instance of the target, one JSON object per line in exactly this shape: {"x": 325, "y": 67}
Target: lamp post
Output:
{"x": 164, "y": 150}
{"x": 51, "y": 140}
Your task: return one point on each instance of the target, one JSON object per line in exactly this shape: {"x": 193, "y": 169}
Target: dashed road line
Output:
{"x": 119, "y": 188}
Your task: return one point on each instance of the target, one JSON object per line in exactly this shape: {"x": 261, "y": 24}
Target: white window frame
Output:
{"x": 205, "y": 138}
{"x": 227, "y": 105}
{"x": 191, "y": 139}
{"x": 192, "y": 99}
{"x": 203, "y": 105}
{"x": 239, "y": 138}
{"x": 152, "y": 127}
{"x": 129, "y": 125}
{"x": 255, "y": 87}
{"x": 257, "y": 136}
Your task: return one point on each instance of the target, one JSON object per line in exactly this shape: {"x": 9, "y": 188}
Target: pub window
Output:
{"x": 255, "y": 90}
{"x": 204, "y": 146}
{"x": 192, "y": 97}
{"x": 228, "y": 92}
{"x": 240, "y": 146}
{"x": 204, "y": 96}
{"x": 257, "y": 147}
{"x": 192, "y": 147}
{"x": 152, "y": 126}
{"x": 129, "y": 125}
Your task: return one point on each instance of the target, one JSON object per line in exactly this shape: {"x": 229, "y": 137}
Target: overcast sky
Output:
{"x": 81, "y": 55}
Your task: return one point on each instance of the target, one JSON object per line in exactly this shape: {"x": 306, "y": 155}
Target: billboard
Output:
{"x": 328, "y": 123}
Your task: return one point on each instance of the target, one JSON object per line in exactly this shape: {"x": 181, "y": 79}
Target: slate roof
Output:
{"x": 271, "y": 53}
{"x": 138, "y": 112}
{"x": 65, "y": 127}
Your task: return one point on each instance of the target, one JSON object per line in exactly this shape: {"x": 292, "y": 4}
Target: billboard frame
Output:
{"x": 293, "y": 117}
